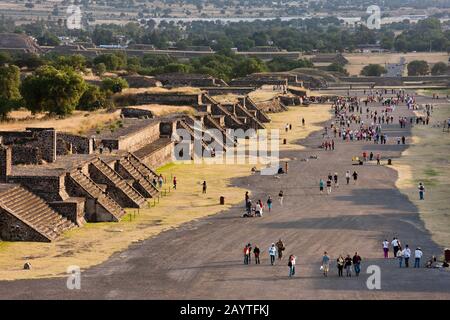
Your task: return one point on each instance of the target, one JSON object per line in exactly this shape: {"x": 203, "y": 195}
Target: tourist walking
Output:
{"x": 246, "y": 254}
{"x": 272, "y": 253}
{"x": 325, "y": 264}
{"x": 175, "y": 183}
{"x": 204, "y": 187}
{"x": 400, "y": 258}
{"x": 321, "y": 184}
{"x": 395, "y": 245}
{"x": 291, "y": 265}
{"x": 335, "y": 178}
{"x": 347, "y": 176}
{"x": 280, "y": 197}
{"x": 328, "y": 186}
{"x": 256, "y": 252}
{"x": 355, "y": 176}
{"x": 357, "y": 263}
{"x": 340, "y": 265}
{"x": 421, "y": 191}
{"x": 280, "y": 248}
{"x": 406, "y": 253}
{"x": 417, "y": 256}
{"x": 386, "y": 248}
{"x": 348, "y": 265}
{"x": 269, "y": 203}
{"x": 160, "y": 181}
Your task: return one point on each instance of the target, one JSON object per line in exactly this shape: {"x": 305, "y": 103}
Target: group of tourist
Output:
{"x": 402, "y": 254}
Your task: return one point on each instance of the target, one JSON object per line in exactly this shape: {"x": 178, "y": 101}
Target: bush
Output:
{"x": 418, "y": 68}
{"x": 440, "y": 68}
{"x": 373, "y": 70}
{"x": 92, "y": 99}
{"x": 114, "y": 85}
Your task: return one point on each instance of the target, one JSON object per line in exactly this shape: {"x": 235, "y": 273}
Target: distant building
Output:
{"x": 15, "y": 42}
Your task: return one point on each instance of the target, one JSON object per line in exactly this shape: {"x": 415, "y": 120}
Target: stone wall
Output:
{"x": 228, "y": 90}
{"x": 153, "y": 98}
{"x": 24, "y": 154}
{"x": 72, "y": 209}
{"x": 49, "y": 188}
{"x": 12, "y": 229}
{"x": 138, "y": 139}
{"x": 160, "y": 157}
{"x": 42, "y": 138}
{"x": 130, "y": 112}
{"x": 80, "y": 144}
{"x": 5, "y": 163}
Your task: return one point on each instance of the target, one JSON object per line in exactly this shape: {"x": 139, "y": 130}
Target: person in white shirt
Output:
{"x": 417, "y": 255}
{"x": 386, "y": 248}
{"x": 258, "y": 210}
{"x": 291, "y": 265}
{"x": 272, "y": 253}
{"x": 406, "y": 255}
{"x": 395, "y": 245}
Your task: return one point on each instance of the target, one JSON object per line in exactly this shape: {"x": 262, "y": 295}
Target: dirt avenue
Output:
{"x": 203, "y": 259}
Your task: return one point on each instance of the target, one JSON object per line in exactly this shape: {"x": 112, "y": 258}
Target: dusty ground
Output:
{"x": 96, "y": 242}
{"x": 203, "y": 259}
{"x": 357, "y": 61}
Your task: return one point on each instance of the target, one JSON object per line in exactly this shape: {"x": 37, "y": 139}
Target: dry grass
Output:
{"x": 226, "y": 98}
{"x": 263, "y": 95}
{"x": 427, "y": 161}
{"x": 357, "y": 61}
{"x": 162, "y": 110}
{"x": 96, "y": 242}
{"x": 79, "y": 122}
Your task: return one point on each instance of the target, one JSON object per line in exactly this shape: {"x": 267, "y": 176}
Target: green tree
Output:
{"x": 5, "y": 58}
{"x": 336, "y": 67}
{"x": 52, "y": 90}
{"x": 114, "y": 85}
{"x": 373, "y": 70}
{"x": 248, "y": 66}
{"x": 9, "y": 89}
{"x": 92, "y": 99}
{"x": 418, "y": 68}
{"x": 76, "y": 62}
{"x": 100, "y": 68}
{"x": 112, "y": 61}
{"x": 440, "y": 68}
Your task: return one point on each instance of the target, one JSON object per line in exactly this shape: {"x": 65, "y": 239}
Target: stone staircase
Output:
{"x": 261, "y": 115}
{"x": 141, "y": 167}
{"x": 124, "y": 193}
{"x": 93, "y": 191}
{"x": 242, "y": 111}
{"x": 35, "y": 213}
{"x": 214, "y": 124}
{"x": 141, "y": 183}
{"x": 191, "y": 131}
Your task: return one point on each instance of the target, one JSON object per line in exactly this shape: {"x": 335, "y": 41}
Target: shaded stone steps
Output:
{"x": 113, "y": 179}
{"x": 93, "y": 191}
{"x": 35, "y": 214}
{"x": 141, "y": 183}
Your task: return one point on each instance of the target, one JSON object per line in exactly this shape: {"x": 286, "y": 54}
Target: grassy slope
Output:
{"x": 428, "y": 161}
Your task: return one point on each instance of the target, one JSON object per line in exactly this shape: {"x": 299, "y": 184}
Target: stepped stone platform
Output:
{"x": 26, "y": 217}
